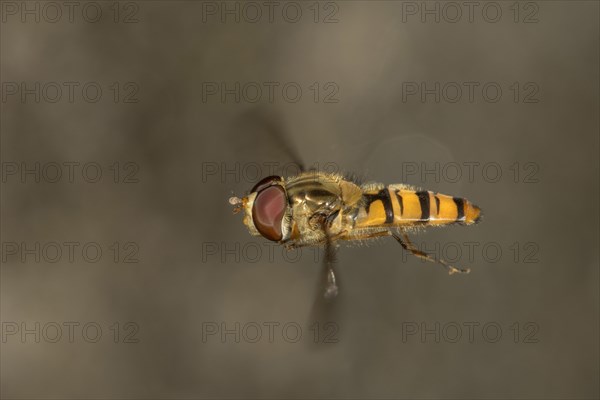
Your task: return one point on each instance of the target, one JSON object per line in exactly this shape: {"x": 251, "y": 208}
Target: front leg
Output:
{"x": 318, "y": 239}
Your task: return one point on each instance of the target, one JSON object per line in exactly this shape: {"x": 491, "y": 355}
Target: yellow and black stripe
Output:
{"x": 400, "y": 206}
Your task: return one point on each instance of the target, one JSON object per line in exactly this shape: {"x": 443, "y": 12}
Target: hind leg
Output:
{"x": 409, "y": 246}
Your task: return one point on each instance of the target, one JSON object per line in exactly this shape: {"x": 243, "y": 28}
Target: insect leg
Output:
{"x": 365, "y": 236}
{"x": 409, "y": 246}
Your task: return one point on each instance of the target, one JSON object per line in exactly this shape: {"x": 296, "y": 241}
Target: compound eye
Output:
{"x": 265, "y": 182}
{"x": 267, "y": 212}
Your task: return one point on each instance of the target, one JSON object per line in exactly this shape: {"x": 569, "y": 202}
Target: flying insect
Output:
{"x": 319, "y": 209}
{"x": 313, "y": 208}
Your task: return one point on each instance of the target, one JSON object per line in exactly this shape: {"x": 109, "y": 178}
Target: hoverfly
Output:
{"x": 318, "y": 209}
{"x": 315, "y": 208}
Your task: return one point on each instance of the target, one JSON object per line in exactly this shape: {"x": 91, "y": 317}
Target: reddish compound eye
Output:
{"x": 265, "y": 182}
{"x": 267, "y": 212}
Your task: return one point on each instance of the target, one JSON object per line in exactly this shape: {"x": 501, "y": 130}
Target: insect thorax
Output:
{"x": 318, "y": 198}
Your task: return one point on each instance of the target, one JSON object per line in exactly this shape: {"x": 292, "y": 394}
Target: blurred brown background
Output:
{"x": 164, "y": 204}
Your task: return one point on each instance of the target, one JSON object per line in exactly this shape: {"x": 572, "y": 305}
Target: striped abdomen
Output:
{"x": 398, "y": 205}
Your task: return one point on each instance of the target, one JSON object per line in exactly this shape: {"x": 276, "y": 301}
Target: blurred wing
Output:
{"x": 259, "y": 137}
{"x": 325, "y": 312}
